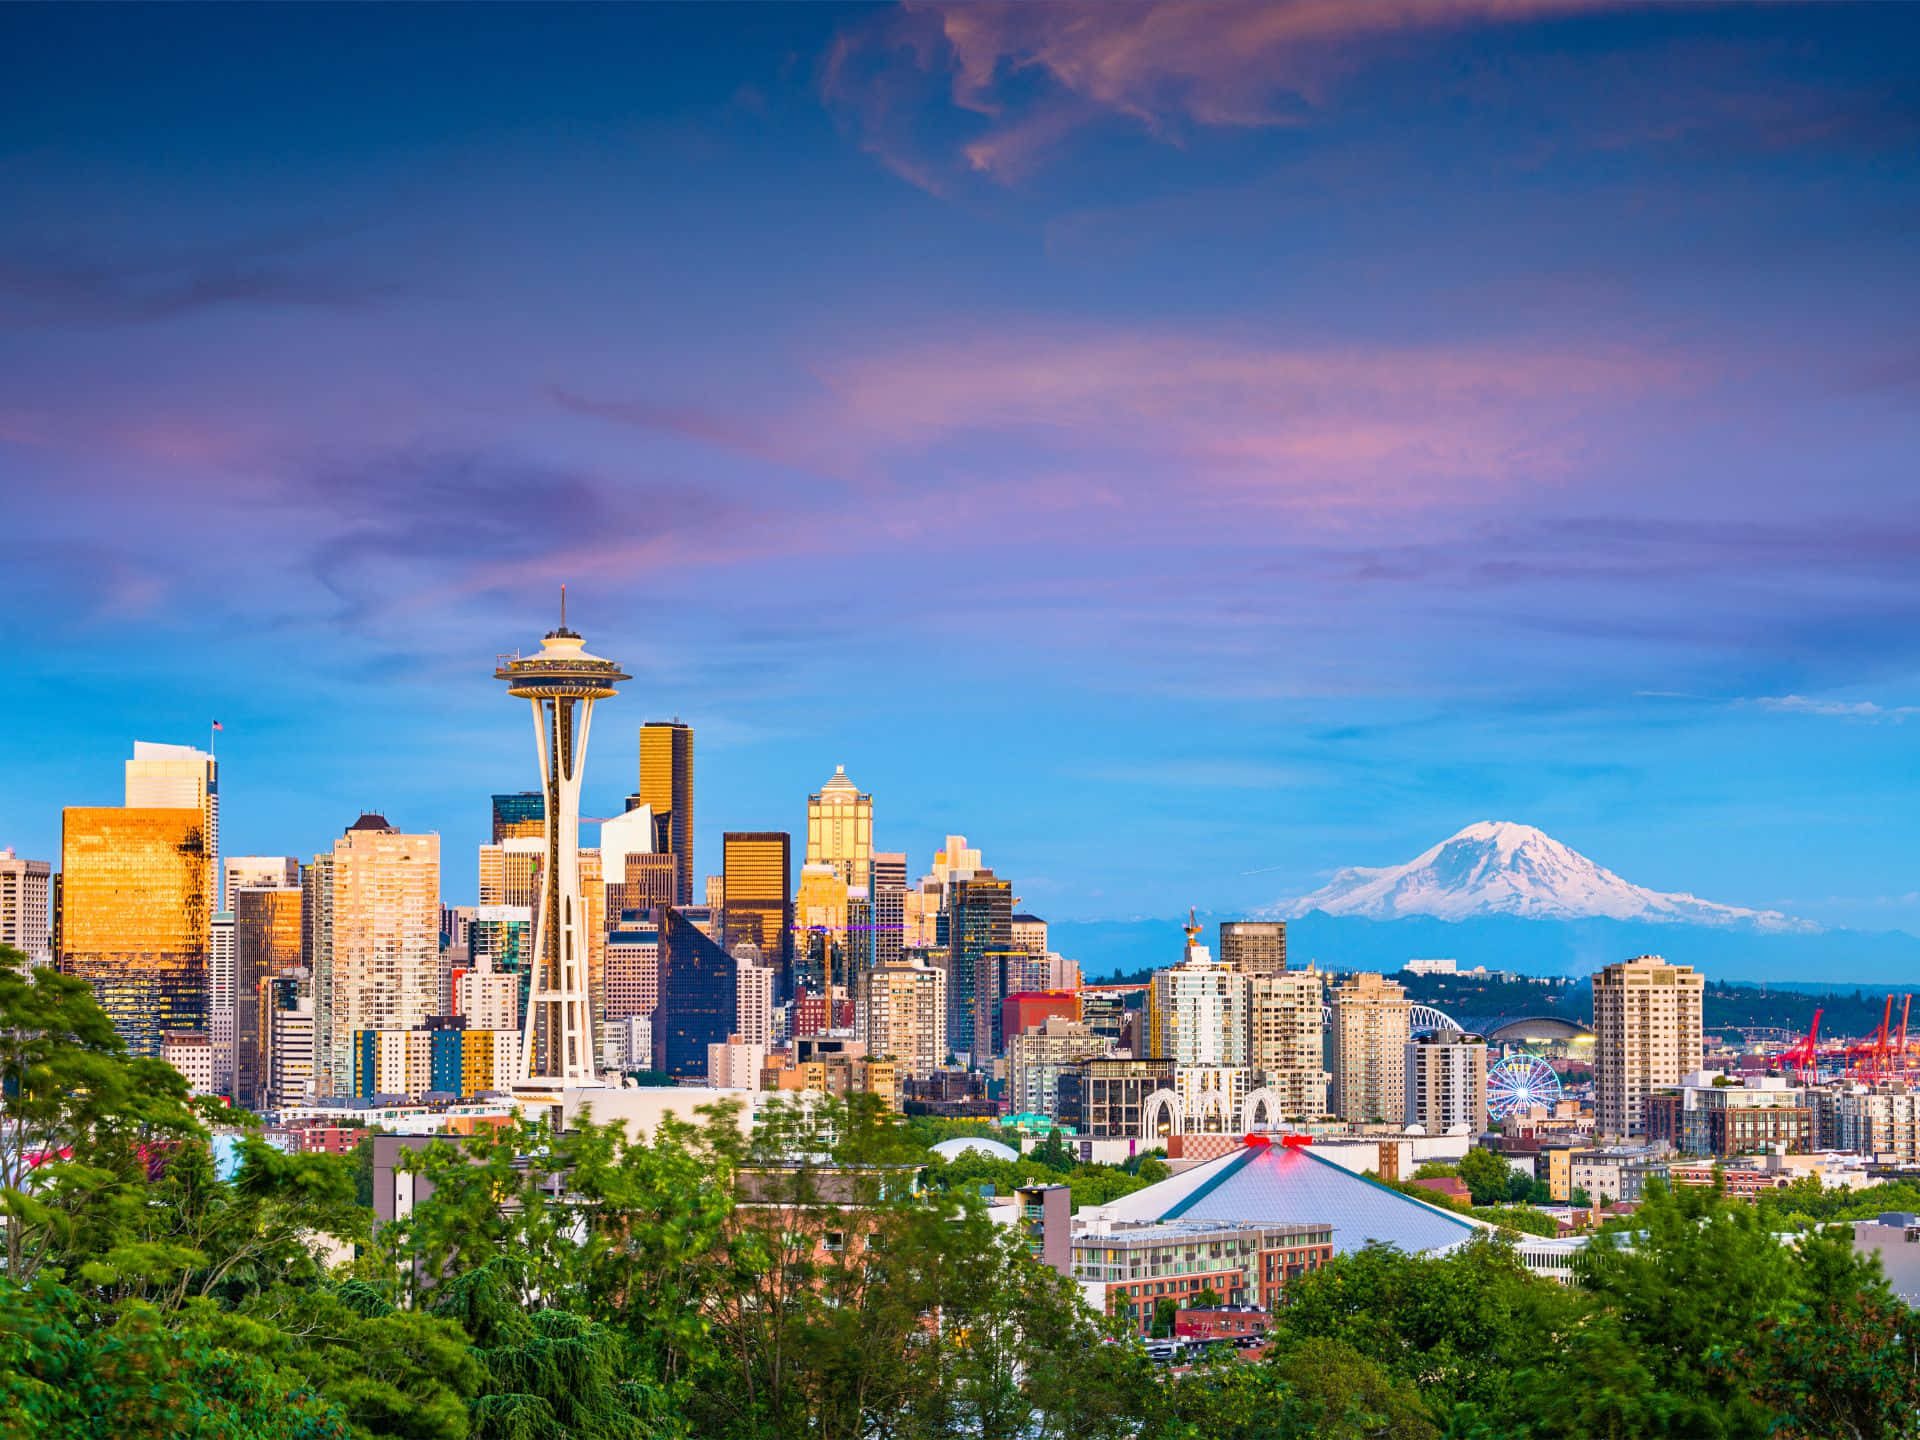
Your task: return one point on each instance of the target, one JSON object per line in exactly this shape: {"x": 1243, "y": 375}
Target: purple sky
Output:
{"x": 1186, "y": 448}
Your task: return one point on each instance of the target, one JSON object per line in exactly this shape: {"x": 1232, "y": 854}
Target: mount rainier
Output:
{"x": 1498, "y": 868}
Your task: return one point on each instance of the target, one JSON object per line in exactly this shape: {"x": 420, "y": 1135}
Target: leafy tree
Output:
{"x": 65, "y": 1374}
{"x": 1053, "y": 1153}
{"x": 549, "y": 1374}
{"x": 1208, "y": 1299}
{"x": 1460, "y": 1327}
{"x": 1486, "y": 1176}
{"x": 1699, "y": 1277}
{"x": 79, "y": 1120}
{"x": 393, "y": 1372}
{"x": 1164, "y": 1311}
{"x": 1841, "y": 1360}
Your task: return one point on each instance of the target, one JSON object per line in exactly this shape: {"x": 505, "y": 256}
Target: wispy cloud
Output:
{"x": 1085, "y": 422}
{"x": 1836, "y": 709}
{"x": 1030, "y": 76}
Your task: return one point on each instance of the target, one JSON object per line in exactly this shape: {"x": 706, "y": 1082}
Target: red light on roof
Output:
{"x": 1251, "y": 1141}
{"x": 1295, "y": 1142}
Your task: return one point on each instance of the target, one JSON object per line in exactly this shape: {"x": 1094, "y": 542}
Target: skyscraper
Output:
{"x": 840, "y": 828}
{"x": 1646, "y": 1033}
{"x": 519, "y": 816}
{"x": 220, "y": 1002}
{"x": 561, "y": 683}
{"x": 979, "y": 930}
{"x": 510, "y": 871}
{"x": 889, "y": 892}
{"x": 635, "y": 876}
{"x": 179, "y": 777}
{"x": 1197, "y": 1010}
{"x": 757, "y": 885}
{"x": 26, "y": 888}
{"x": 1286, "y": 1045}
{"x": 135, "y": 922}
{"x": 1370, "y": 1033}
{"x": 753, "y": 1004}
{"x": 699, "y": 997}
{"x": 267, "y": 925}
{"x": 1254, "y": 947}
{"x": 906, "y": 1016}
{"x": 376, "y": 928}
{"x": 666, "y": 786}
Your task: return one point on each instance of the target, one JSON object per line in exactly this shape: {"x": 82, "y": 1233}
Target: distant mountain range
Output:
{"x": 1495, "y": 867}
{"x": 1510, "y": 897}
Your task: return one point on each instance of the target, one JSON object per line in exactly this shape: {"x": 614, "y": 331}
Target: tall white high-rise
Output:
{"x": 561, "y": 683}
{"x": 1197, "y": 1010}
{"x": 220, "y": 1002}
{"x": 753, "y": 1004}
{"x": 25, "y": 890}
{"x": 374, "y": 917}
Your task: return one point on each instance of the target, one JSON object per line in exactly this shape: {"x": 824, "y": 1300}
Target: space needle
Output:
{"x": 562, "y": 681}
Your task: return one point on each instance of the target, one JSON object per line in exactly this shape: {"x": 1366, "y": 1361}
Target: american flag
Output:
{"x": 218, "y": 726}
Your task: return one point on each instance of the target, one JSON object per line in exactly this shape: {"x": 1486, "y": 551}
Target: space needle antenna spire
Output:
{"x": 557, "y": 1033}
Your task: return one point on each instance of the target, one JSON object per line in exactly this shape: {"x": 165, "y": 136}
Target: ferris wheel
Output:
{"x": 1519, "y": 1082}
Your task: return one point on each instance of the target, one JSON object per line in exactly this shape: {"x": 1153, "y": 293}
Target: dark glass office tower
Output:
{"x": 698, "y": 998}
{"x": 979, "y": 929}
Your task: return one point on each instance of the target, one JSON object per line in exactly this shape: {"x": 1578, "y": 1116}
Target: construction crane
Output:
{"x": 1802, "y": 1058}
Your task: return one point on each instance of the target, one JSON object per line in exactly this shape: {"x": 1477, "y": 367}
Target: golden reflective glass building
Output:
{"x": 666, "y": 785}
{"x": 840, "y": 829}
{"x": 757, "y": 885}
{"x": 135, "y": 916}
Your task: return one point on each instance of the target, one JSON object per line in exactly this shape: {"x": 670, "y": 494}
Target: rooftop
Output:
{"x": 1266, "y": 1184}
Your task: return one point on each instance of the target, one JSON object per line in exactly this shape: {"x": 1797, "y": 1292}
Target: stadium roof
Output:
{"x": 1290, "y": 1185}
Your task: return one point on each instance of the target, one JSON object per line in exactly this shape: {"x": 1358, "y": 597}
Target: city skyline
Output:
{"x": 1223, "y": 469}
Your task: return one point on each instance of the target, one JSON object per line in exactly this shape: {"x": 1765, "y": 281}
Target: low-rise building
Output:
{"x": 1129, "y": 1269}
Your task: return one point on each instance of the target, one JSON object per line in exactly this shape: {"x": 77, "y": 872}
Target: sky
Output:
{"x": 1185, "y": 448}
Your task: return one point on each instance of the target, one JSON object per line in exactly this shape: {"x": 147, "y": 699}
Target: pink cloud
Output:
{"x": 1097, "y": 427}
{"x": 1165, "y": 66}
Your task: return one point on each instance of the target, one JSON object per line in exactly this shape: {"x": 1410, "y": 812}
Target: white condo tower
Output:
{"x": 562, "y": 681}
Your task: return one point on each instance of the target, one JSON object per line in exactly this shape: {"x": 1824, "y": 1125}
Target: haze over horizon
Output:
{"x": 1188, "y": 451}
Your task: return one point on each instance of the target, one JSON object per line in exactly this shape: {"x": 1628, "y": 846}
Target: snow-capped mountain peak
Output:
{"x": 1497, "y": 867}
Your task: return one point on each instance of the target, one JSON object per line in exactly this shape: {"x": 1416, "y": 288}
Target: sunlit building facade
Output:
{"x": 179, "y": 777}
{"x": 840, "y": 828}
{"x": 379, "y": 910}
{"x": 1647, "y": 1035}
{"x": 666, "y": 787}
{"x": 1286, "y": 1038}
{"x": 1371, "y": 1026}
{"x": 135, "y": 919}
{"x": 757, "y": 888}
{"x": 267, "y": 927}
{"x": 906, "y": 1017}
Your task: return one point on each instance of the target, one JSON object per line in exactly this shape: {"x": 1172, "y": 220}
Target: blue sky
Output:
{"x": 1185, "y": 448}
